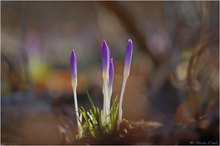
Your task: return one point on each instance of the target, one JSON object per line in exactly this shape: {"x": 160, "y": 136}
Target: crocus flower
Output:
{"x": 128, "y": 57}
{"x": 73, "y": 63}
{"x": 127, "y": 66}
{"x": 111, "y": 73}
{"x": 110, "y": 82}
{"x": 105, "y": 54}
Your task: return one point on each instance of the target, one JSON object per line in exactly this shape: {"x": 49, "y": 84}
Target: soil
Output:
{"x": 153, "y": 132}
{"x": 32, "y": 121}
{"x": 129, "y": 133}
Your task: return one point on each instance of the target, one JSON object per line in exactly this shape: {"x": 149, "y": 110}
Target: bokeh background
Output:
{"x": 174, "y": 75}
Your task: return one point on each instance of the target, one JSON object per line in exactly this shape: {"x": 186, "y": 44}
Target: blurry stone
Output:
{"x": 28, "y": 120}
{"x": 164, "y": 103}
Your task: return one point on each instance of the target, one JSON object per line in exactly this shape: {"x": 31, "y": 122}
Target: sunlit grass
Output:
{"x": 93, "y": 123}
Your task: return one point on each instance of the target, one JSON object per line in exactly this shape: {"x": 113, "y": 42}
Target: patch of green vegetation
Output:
{"x": 94, "y": 123}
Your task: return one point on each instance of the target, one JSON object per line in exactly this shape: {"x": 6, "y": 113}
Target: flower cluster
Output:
{"x": 107, "y": 79}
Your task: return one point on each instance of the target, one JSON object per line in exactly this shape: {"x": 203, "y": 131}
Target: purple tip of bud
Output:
{"x": 128, "y": 56}
{"x": 105, "y": 56}
{"x": 111, "y": 72}
{"x": 73, "y": 64}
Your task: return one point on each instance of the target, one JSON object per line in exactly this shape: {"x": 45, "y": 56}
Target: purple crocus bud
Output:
{"x": 128, "y": 57}
{"x": 105, "y": 53}
{"x": 73, "y": 64}
{"x": 111, "y": 72}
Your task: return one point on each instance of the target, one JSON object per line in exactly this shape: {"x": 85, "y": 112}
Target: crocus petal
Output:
{"x": 111, "y": 72}
{"x": 105, "y": 53}
{"x": 73, "y": 64}
{"x": 128, "y": 57}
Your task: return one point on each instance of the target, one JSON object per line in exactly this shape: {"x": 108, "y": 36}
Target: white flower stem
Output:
{"x": 109, "y": 103}
{"x": 109, "y": 97}
{"x": 77, "y": 112}
{"x": 121, "y": 100}
{"x": 106, "y": 102}
{"x": 103, "y": 109}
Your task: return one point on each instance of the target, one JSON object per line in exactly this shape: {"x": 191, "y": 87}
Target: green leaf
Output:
{"x": 90, "y": 99}
{"x": 93, "y": 121}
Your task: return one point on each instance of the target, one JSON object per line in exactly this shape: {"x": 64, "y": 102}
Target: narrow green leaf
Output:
{"x": 90, "y": 99}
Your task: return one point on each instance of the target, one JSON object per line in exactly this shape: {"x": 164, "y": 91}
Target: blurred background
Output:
{"x": 174, "y": 74}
